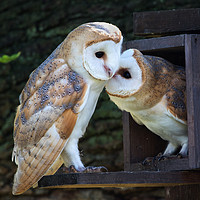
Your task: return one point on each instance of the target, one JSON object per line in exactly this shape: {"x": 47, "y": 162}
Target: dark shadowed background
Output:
{"x": 35, "y": 28}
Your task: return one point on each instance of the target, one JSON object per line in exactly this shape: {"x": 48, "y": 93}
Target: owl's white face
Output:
{"x": 128, "y": 79}
{"x": 101, "y": 60}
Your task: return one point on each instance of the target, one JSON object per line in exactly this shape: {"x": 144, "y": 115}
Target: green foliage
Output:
{"x": 6, "y": 59}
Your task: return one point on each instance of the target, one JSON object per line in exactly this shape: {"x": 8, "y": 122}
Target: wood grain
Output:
{"x": 166, "y": 22}
{"x": 192, "y": 52}
{"x": 170, "y": 47}
{"x": 139, "y": 142}
{"x": 120, "y": 179}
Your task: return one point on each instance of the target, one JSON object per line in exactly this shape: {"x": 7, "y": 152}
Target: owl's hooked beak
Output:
{"x": 108, "y": 71}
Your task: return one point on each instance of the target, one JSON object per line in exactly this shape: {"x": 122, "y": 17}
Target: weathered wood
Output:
{"x": 183, "y": 192}
{"x": 192, "y": 52}
{"x": 139, "y": 142}
{"x": 157, "y": 43}
{"x": 169, "y": 47}
{"x": 166, "y": 22}
{"x": 171, "y": 164}
{"x": 120, "y": 179}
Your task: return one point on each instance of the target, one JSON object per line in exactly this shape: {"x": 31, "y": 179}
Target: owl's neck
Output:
{"x": 158, "y": 80}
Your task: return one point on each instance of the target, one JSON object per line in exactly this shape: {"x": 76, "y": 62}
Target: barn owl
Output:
{"x": 59, "y": 99}
{"x": 153, "y": 90}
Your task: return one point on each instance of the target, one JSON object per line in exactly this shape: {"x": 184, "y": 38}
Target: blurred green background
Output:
{"x": 35, "y": 28}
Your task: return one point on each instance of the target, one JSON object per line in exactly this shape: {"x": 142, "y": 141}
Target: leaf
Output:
{"x": 7, "y": 59}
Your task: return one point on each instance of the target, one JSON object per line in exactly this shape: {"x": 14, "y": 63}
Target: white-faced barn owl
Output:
{"x": 59, "y": 99}
{"x": 153, "y": 90}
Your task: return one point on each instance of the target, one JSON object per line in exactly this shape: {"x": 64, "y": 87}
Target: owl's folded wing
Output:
{"x": 176, "y": 97}
{"x": 44, "y": 121}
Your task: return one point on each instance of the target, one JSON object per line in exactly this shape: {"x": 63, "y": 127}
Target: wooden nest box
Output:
{"x": 175, "y": 36}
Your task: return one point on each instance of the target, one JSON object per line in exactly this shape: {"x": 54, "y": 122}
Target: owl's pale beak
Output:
{"x": 108, "y": 71}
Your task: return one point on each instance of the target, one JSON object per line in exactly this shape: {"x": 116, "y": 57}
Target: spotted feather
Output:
{"x": 54, "y": 103}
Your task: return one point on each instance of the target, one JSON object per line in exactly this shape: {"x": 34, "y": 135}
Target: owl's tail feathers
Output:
{"x": 53, "y": 169}
{"x": 35, "y": 162}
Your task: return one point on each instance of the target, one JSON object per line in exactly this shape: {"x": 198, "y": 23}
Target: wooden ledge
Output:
{"x": 120, "y": 179}
{"x": 157, "y": 43}
{"x": 173, "y": 164}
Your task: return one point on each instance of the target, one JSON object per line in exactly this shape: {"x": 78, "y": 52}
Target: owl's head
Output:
{"x": 130, "y": 76}
{"x": 93, "y": 48}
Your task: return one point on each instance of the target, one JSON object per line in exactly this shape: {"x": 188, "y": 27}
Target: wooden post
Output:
{"x": 192, "y": 59}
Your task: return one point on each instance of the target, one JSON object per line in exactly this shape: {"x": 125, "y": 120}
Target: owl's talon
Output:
{"x": 180, "y": 155}
{"x": 148, "y": 160}
{"x": 70, "y": 169}
{"x": 162, "y": 157}
{"x": 91, "y": 169}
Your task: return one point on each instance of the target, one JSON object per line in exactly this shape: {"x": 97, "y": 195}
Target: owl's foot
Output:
{"x": 89, "y": 169}
{"x": 70, "y": 169}
{"x": 170, "y": 157}
{"x": 180, "y": 155}
{"x": 149, "y": 160}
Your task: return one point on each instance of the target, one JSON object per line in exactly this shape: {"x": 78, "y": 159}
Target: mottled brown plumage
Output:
{"x": 55, "y": 99}
{"x": 62, "y": 89}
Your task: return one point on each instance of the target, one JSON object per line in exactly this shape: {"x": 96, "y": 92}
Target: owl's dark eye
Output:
{"x": 99, "y": 54}
{"x": 126, "y": 74}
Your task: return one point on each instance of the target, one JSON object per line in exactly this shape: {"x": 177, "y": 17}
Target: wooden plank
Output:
{"x": 120, "y": 179}
{"x": 192, "y": 52}
{"x": 166, "y": 22}
{"x": 157, "y": 43}
{"x": 171, "y": 48}
{"x": 172, "y": 164}
{"x": 183, "y": 192}
{"x": 139, "y": 142}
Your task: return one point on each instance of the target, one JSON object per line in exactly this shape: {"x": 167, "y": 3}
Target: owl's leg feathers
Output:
{"x": 71, "y": 155}
{"x": 72, "y": 160}
{"x": 171, "y": 148}
{"x": 184, "y": 151}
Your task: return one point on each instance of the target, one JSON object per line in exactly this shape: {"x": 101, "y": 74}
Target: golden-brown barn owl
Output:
{"x": 59, "y": 99}
{"x": 153, "y": 90}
